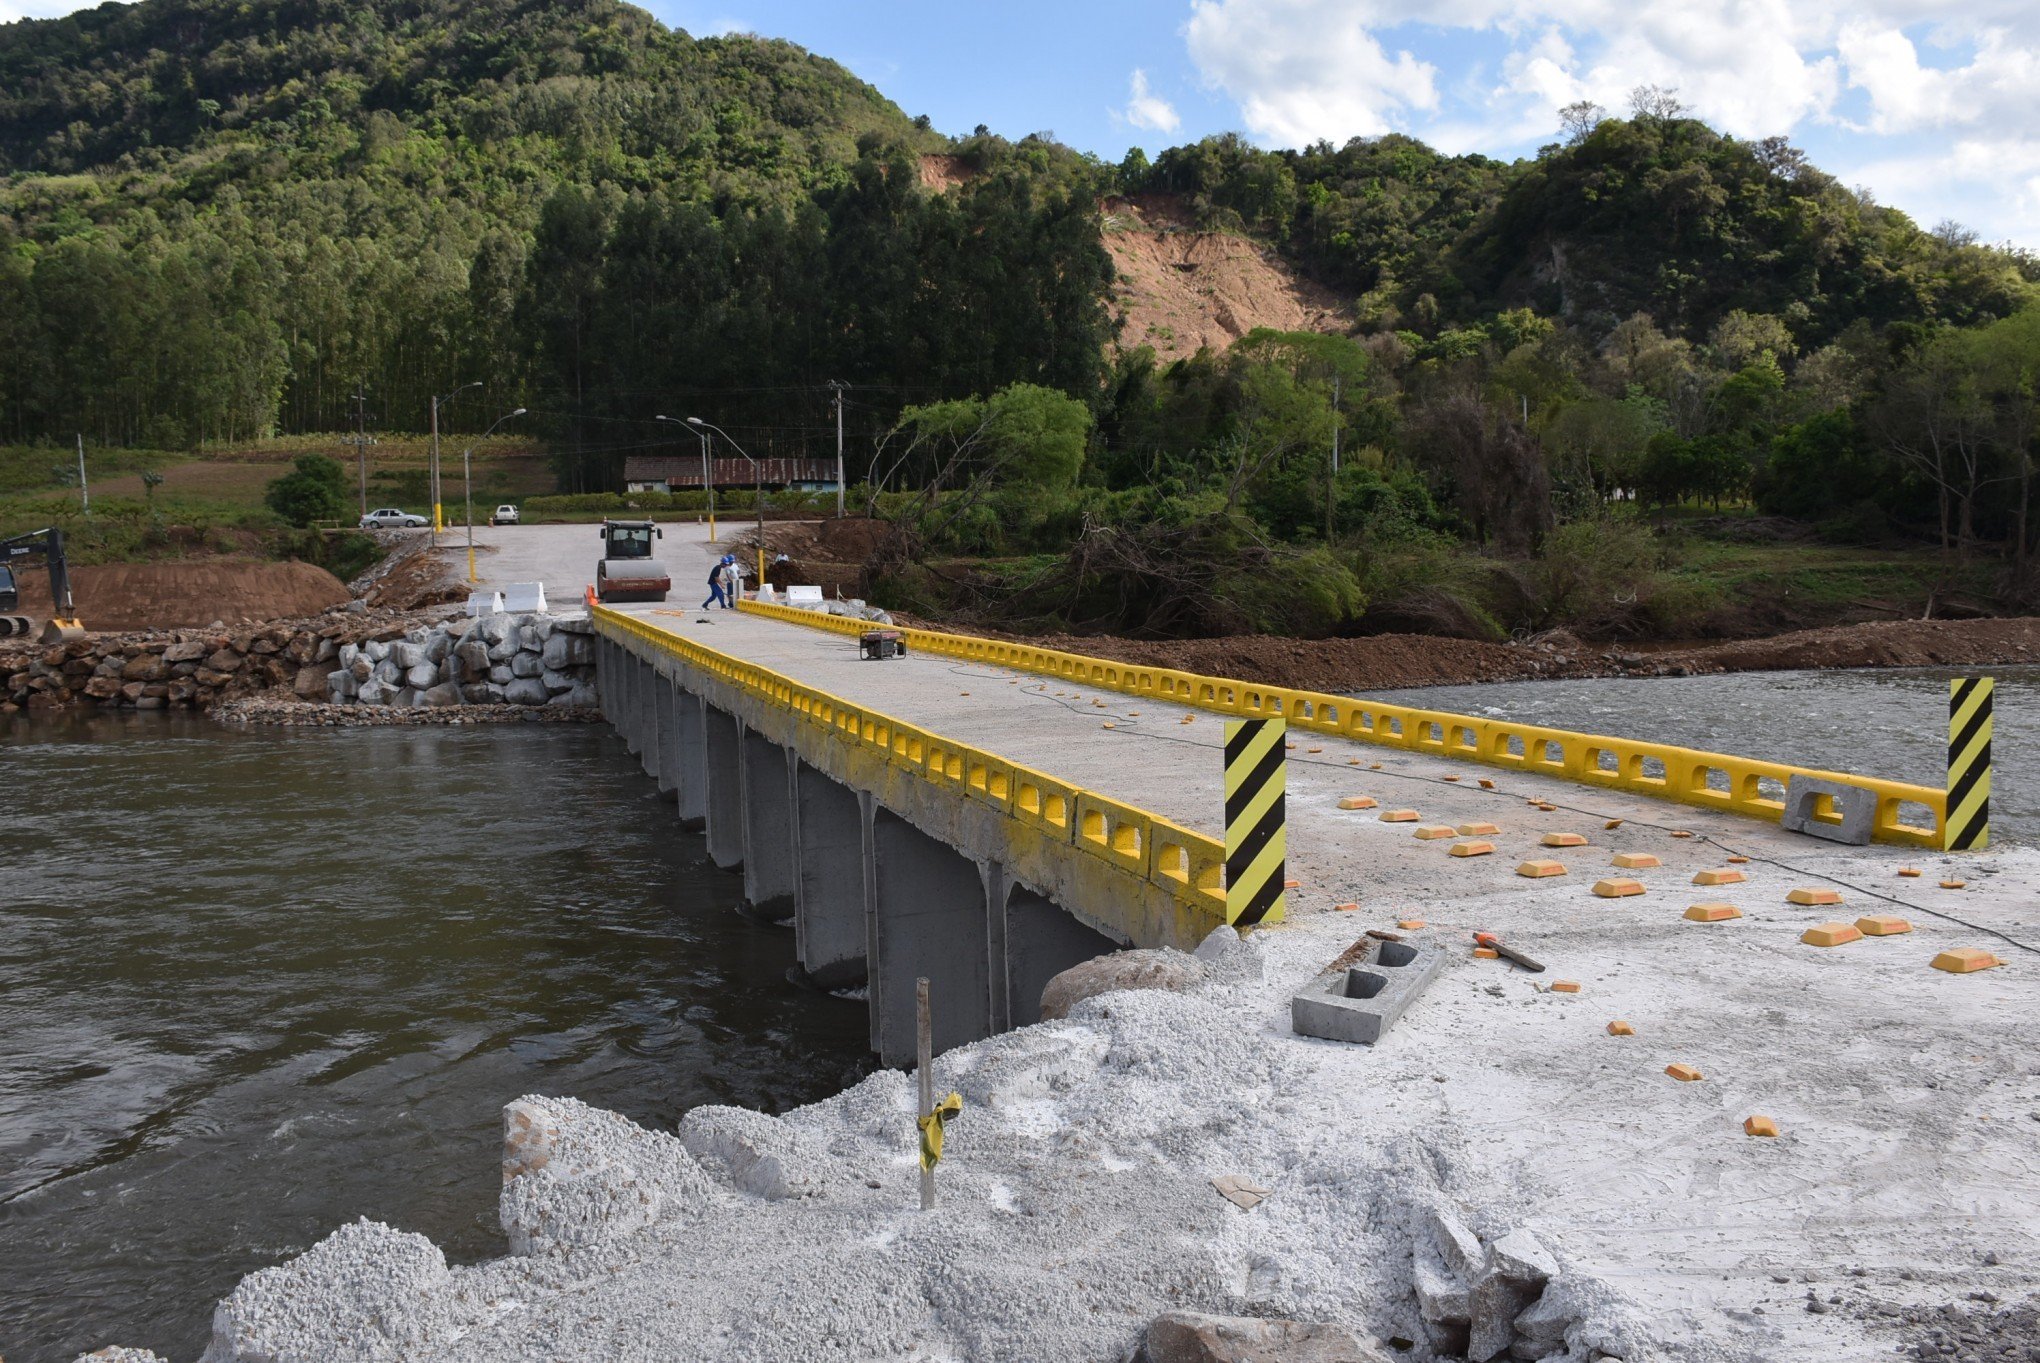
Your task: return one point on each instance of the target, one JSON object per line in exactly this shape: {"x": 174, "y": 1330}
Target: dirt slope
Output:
{"x": 127, "y": 596}
{"x": 1180, "y": 289}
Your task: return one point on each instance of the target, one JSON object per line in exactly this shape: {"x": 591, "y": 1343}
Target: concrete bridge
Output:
{"x": 987, "y": 814}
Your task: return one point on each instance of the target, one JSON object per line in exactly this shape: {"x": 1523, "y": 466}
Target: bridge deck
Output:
{"x": 1151, "y": 759}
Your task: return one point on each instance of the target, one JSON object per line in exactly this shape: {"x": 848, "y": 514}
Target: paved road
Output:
{"x": 563, "y": 556}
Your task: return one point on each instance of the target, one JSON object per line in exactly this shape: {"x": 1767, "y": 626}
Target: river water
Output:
{"x": 254, "y": 984}
{"x": 1892, "y": 723}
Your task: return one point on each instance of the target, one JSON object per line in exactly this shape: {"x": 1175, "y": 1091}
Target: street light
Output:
{"x": 757, "y": 496}
{"x": 467, "y": 483}
{"x": 437, "y": 523}
{"x": 707, "y": 483}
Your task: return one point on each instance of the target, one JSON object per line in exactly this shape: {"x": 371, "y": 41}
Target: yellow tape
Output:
{"x": 1708, "y": 780}
{"x": 931, "y": 1129}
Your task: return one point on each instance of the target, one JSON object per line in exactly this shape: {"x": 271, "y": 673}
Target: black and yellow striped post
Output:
{"x": 1256, "y": 842}
{"x": 1967, "y": 828}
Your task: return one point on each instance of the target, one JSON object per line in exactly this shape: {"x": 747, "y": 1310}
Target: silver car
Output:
{"x": 390, "y": 518}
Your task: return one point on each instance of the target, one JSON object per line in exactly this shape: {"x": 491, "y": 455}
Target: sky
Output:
{"x": 1934, "y": 107}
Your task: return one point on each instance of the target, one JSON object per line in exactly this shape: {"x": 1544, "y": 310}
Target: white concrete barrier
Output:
{"x": 805, "y": 598}
{"x": 524, "y": 598}
{"x": 485, "y": 603}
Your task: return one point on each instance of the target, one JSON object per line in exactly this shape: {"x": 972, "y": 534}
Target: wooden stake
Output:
{"x": 924, "y": 1046}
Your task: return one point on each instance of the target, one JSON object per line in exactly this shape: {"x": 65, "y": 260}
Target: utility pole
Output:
{"x": 836, "y": 391}
{"x": 84, "y": 492}
{"x": 361, "y": 442}
{"x": 1332, "y": 484}
{"x": 435, "y": 472}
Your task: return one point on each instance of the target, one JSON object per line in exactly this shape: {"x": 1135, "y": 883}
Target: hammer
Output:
{"x": 1494, "y": 944}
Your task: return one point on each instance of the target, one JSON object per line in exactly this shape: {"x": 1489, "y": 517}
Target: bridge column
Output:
{"x": 926, "y": 914}
{"x": 1042, "y": 939}
{"x": 690, "y": 737}
{"x": 724, "y": 803}
{"x": 828, "y": 879}
{"x": 666, "y": 723}
{"x": 650, "y": 753}
{"x": 630, "y": 692}
{"x": 768, "y": 827}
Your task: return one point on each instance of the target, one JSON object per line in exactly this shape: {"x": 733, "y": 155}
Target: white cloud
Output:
{"x": 1854, "y": 70}
{"x": 1146, "y": 109}
{"x": 1305, "y": 69}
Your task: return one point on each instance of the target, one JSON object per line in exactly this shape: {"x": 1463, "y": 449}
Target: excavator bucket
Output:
{"x": 62, "y": 631}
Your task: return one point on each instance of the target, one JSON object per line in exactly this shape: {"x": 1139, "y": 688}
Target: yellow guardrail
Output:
{"x": 1189, "y": 867}
{"x": 1708, "y": 780}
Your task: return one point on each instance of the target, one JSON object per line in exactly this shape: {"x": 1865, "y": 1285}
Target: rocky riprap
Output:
{"x": 189, "y": 669}
{"x": 522, "y": 660}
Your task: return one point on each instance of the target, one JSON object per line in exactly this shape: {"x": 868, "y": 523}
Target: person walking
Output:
{"x": 718, "y": 578}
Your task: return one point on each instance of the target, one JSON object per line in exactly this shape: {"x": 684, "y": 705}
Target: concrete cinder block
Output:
{"x": 1362, "y": 1002}
{"x": 1853, "y": 807}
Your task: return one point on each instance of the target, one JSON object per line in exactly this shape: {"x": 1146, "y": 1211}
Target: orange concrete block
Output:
{"x": 1620, "y": 1028}
{"x": 1401, "y": 816}
{"x": 1313, "y": 749}
{"x": 1738, "y": 861}
{"x": 1538, "y": 870}
{"x": 1546, "y": 806}
{"x": 1909, "y": 872}
{"x": 1612, "y": 823}
{"x": 1486, "y": 954}
{"x": 1685, "y": 1074}
{"x": 1962, "y": 960}
{"x": 1452, "y": 778}
{"x": 1719, "y": 877}
{"x": 1882, "y": 925}
{"x": 1409, "y": 924}
{"x": 1617, "y": 887}
{"x": 1830, "y": 935}
{"x": 1292, "y": 884}
{"x": 1107, "y": 725}
{"x": 1486, "y": 784}
{"x": 1472, "y": 849}
{"x": 1712, "y": 913}
{"x": 1812, "y": 897}
{"x": 1565, "y": 986}
{"x": 1358, "y": 802}
{"x": 1478, "y": 830}
{"x": 1344, "y": 908}
{"x": 1563, "y": 840}
{"x": 1635, "y": 861}
{"x": 1431, "y": 832}
{"x": 1374, "y": 766}
{"x": 1953, "y": 884}
{"x": 1759, "y": 1126}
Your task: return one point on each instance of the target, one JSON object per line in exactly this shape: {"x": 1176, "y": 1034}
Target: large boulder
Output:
{"x": 422, "y": 675}
{"x": 1143, "y": 969}
{"x": 312, "y": 681}
{"x": 1193, "y": 1337}
{"x": 526, "y": 691}
{"x": 184, "y": 653}
{"x": 407, "y": 654}
{"x": 443, "y": 694}
{"x": 224, "y": 660}
{"x": 526, "y": 665}
{"x": 574, "y": 1175}
{"x": 473, "y": 657}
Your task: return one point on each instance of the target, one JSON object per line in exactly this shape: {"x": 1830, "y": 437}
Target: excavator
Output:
{"x": 63, "y": 622}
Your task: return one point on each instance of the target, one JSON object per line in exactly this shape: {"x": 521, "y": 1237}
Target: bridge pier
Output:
{"x": 690, "y": 739}
{"x": 723, "y": 812}
{"x": 666, "y": 724}
{"x": 926, "y": 906}
{"x": 645, "y": 702}
{"x": 768, "y": 827}
{"x": 828, "y": 880}
{"x": 1042, "y": 939}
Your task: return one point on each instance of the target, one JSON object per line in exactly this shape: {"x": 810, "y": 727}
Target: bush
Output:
{"x": 314, "y": 490}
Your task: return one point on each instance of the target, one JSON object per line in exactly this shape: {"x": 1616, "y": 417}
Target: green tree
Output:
{"x": 314, "y": 490}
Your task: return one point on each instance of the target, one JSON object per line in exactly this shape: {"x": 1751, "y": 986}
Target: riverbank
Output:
{"x": 1394, "y": 661}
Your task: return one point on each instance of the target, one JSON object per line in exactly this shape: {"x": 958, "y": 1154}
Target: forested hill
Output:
{"x": 173, "y": 98}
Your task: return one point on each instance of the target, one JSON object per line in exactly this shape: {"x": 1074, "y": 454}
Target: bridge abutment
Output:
{"x": 768, "y": 827}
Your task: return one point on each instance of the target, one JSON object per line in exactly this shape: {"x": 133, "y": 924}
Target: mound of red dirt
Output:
{"x": 129, "y": 596}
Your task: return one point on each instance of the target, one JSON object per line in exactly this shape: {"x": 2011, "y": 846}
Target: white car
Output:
{"x": 390, "y": 518}
{"x": 505, "y": 514}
